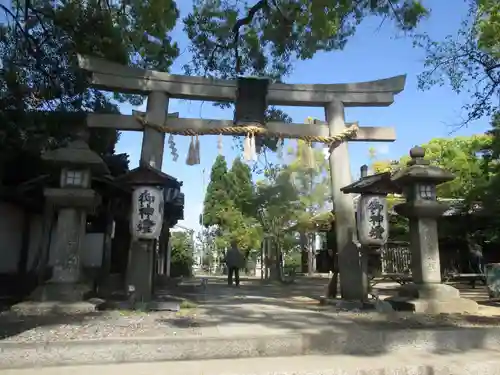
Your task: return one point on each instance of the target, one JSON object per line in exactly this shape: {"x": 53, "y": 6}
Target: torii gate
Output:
{"x": 160, "y": 87}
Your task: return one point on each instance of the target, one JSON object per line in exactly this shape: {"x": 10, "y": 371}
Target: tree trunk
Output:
{"x": 310, "y": 253}
{"x": 304, "y": 253}
{"x": 274, "y": 266}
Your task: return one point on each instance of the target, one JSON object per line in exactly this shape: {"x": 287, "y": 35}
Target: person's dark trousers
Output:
{"x": 236, "y": 272}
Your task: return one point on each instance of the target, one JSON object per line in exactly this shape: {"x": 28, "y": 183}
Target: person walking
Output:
{"x": 234, "y": 262}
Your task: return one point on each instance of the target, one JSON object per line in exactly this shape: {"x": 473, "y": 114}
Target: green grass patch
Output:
{"x": 186, "y": 304}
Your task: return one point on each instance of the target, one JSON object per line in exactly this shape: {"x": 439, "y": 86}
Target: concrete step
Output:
{"x": 409, "y": 363}
{"x": 233, "y": 344}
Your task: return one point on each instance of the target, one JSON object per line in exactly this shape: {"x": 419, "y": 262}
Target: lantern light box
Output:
{"x": 371, "y": 213}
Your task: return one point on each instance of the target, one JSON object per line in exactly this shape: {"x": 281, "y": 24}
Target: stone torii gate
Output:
{"x": 160, "y": 87}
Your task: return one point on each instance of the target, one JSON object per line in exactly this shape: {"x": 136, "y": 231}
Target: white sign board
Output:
{"x": 147, "y": 213}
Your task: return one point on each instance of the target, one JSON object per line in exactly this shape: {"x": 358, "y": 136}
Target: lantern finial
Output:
{"x": 417, "y": 154}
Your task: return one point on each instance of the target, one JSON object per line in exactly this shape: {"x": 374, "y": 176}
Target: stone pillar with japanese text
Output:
{"x": 145, "y": 226}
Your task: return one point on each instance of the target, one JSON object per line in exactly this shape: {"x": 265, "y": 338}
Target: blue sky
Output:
{"x": 373, "y": 53}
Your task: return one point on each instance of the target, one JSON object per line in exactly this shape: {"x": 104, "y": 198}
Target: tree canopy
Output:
{"x": 39, "y": 41}
{"x": 266, "y": 36}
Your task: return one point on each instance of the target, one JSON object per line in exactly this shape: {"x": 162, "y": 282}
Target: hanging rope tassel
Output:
{"x": 280, "y": 147}
{"x": 311, "y": 158}
{"x": 197, "y": 150}
{"x": 302, "y": 153}
{"x": 219, "y": 144}
{"x": 173, "y": 149}
{"x": 191, "y": 157}
{"x": 247, "y": 149}
{"x": 253, "y": 151}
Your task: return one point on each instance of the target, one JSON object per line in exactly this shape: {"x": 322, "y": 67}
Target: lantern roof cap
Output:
{"x": 147, "y": 175}
{"x": 419, "y": 170}
{"x": 78, "y": 154}
{"x": 379, "y": 183}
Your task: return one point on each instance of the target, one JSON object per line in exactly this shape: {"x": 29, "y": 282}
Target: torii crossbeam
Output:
{"x": 160, "y": 87}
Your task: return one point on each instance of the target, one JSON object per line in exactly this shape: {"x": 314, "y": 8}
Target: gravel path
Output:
{"x": 207, "y": 321}
{"x": 43, "y": 328}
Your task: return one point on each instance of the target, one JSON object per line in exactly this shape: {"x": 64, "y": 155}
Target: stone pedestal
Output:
{"x": 140, "y": 270}
{"x": 431, "y": 299}
{"x": 426, "y": 294}
{"x": 65, "y": 285}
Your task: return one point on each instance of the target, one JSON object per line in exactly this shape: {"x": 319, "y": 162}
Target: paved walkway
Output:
{"x": 409, "y": 364}
{"x": 254, "y": 308}
{"x": 227, "y": 322}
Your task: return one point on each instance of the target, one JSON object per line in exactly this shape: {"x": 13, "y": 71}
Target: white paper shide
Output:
{"x": 147, "y": 212}
{"x": 372, "y": 220}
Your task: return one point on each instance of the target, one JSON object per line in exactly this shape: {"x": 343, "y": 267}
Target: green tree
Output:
{"x": 182, "y": 247}
{"x": 217, "y": 198}
{"x": 277, "y": 204}
{"x": 291, "y": 197}
{"x": 488, "y": 26}
{"x": 491, "y": 169}
{"x": 312, "y": 183}
{"x": 245, "y": 230}
{"x": 39, "y": 42}
{"x": 463, "y": 156}
{"x": 466, "y": 157}
{"x": 182, "y": 255}
{"x": 241, "y": 190}
{"x": 265, "y": 37}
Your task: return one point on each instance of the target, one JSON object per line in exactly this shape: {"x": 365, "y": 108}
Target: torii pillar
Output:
{"x": 349, "y": 256}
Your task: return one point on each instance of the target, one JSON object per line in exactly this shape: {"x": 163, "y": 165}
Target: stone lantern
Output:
{"x": 251, "y": 101}
{"x": 151, "y": 189}
{"x": 73, "y": 199}
{"x": 426, "y": 294}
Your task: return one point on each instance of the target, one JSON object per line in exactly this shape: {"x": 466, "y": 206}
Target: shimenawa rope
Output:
{"x": 252, "y": 129}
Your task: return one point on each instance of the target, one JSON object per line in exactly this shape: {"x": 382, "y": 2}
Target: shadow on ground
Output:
{"x": 257, "y": 307}
{"x": 12, "y": 324}
{"x": 296, "y": 308}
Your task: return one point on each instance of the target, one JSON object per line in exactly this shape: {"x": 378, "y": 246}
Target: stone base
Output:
{"x": 431, "y": 299}
{"x": 43, "y": 308}
{"x": 346, "y": 305}
{"x": 60, "y": 292}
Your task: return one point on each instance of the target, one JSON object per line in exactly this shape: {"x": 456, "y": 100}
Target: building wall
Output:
{"x": 11, "y": 237}
{"x": 11, "y": 228}
{"x": 36, "y": 228}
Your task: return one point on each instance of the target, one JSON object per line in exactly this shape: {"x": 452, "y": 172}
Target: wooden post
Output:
{"x": 168, "y": 257}
{"x": 351, "y": 284}
{"x": 140, "y": 269}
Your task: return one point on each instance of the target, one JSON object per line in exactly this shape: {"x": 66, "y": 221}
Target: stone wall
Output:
{"x": 11, "y": 228}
